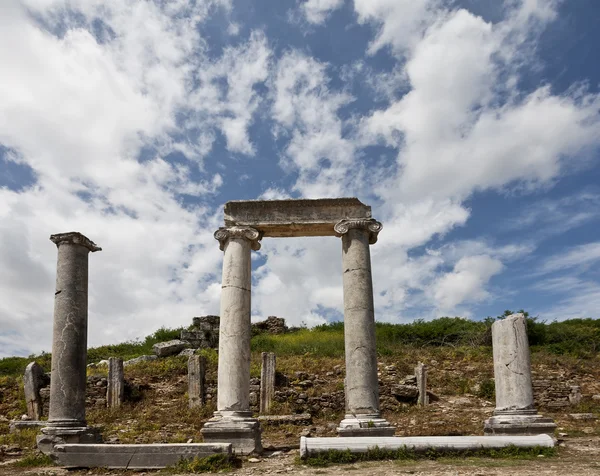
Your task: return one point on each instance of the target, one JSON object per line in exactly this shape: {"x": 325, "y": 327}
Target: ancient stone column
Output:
{"x": 363, "y": 417}
{"x": 515, "y": 412}
{"x": 267, "y": 381}
{"x": 66, "y": 419}
{"x": 421, "y": 374}
{"x": 196, "y": 380}
{"x": 233, "y": 420}
{"x": 115, "y": 390}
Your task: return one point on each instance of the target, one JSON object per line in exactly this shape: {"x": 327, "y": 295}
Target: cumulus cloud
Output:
{"x": 317, "y": 11}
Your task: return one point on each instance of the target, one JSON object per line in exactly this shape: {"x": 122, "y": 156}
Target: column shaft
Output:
{"x": 69, "y": 337}
{"x": 234, "y": 331}
{"x": 359, "y": 325}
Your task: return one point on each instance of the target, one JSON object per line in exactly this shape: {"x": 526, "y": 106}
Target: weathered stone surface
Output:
{"x": 204, "y": 332}
{"x": 280, "y": 218}
{"x": 297, "y": 419}
{"x": 515, "y": 411}
{"x": 196, "y": 380}
{"x": 233, "y": 420}
{"x": 362, "y": 387}
{"x": 17, "y": 425}
{"x": 421, "y": 377}
{"x": 171, "y": 347}
{"x": 149, "y": 456}
{"x": 405, "y": 393}
{"x": 312, "y": 446}
{"x": 69, "y": 341}
{"x": 267, "y": 381}
{"x": 583, "y": 416}
{"x": 33, "y": 380}
{"x": 271, "y": 325}
{"x": 115, "y": 388}
{"x": 137, "y": 360}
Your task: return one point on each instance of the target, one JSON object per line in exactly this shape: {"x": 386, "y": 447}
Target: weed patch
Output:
{"x": 210, "y": 464}
{"x": 375, "y": 454}
{"x": 34, "y": 460}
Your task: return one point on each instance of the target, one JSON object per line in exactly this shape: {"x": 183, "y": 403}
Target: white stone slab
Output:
{"x": 310, "y": 446}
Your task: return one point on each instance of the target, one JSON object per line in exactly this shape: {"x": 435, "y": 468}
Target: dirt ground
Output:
{"x": 580, "y": 456}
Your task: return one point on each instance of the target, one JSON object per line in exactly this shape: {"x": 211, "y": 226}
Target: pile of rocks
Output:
{"x": 272, "y": 325}
{"x": 555, "y": 393}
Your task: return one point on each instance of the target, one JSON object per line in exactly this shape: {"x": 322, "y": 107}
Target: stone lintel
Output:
{"x": 76, "y": 238}
{"x": 287, "y": 218}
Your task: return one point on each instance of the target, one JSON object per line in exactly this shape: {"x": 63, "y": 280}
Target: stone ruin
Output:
{"x": 233, "y": 427}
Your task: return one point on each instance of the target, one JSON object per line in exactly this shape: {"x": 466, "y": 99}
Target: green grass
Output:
{"x": 34, "y": 460}
{"x": 578, "y": 338}
{"x": 324, "y": 459}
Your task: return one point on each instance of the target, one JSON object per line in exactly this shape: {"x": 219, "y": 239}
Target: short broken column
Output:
{"x": 115, "y": 390}
{"x": 33, "y": 381}
{"x": 363, "y": 417}
{"x": 66, "y": 419}
{"x": 267, "y": 381}
{"x": 196, "y": 380}
{"x": 421, "y": 374}
{"x": 233, "y": 422}
{"x": 515, "y": 412}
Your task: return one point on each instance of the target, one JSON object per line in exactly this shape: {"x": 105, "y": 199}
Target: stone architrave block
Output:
{"x": 281, "y": 218}
{"x": 171, "y": 347}
{"x": 421, "y": 374}
{"x": 142, "y": 456}
{"x": 33, "y": 380}
{"x": 115, "y": 389}
{"x": 267, "y": 381}
{"x": 196, "y": 380}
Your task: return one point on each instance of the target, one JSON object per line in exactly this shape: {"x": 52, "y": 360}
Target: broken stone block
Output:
{"x": 141, "y": 358}
{"x": 405, "y": 393}
{"x": 115, "y": 390}
{"x": 33, "y": 380}
{"x": 196, "y": 380}
{"x": 171, "y": 347}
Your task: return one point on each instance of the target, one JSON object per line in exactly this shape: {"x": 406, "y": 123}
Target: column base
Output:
{"x": 238, "y": 428}
{"x": 365, "y": 425}
{"x": 519, "y": 424}
{"x": 60, "y": 435}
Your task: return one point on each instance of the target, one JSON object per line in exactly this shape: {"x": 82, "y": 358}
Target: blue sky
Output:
{"x": 471, "y": 127}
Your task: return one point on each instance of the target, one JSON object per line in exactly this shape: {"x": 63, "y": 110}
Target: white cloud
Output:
{"x": 317, "y": 11}
{"x": 582, "y": 256}
{"x": 466, "y": 283}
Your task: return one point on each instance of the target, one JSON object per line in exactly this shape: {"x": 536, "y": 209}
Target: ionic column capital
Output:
{"x": 226, "y": 233}
{"x": 75, "y": 238}
{"x": 369, "y": 224}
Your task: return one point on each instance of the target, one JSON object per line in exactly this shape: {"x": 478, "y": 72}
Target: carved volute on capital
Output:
{"x": 370, "y": 224}
{"x": 252, "y": 235}
{"x": 76, "y": 238}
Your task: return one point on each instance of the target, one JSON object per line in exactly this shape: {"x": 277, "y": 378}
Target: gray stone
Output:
{"x": 115, "y": 389}
{"x": 267, "y": 381}
{"x": 312, "y": 446}
{"x": 196, "y": 380}
{"x": 281, "y": 218}
{"x": 17, "y": 425}
{"x": 515, "y": 411}
{"x": 233, "y": 420}
{"x": 406, "y": 393}
{"x": 171, "y": 347}
{"x": 149, "y": 456}
{"x": 421, "y": 377}
{"x": 296, "y": 419}
{"x": 137, "y": 360}
{"x": 66, "y": 419}
{"x": 187, "y": 353}
{"x": 33, "y": 380}
{"x": 583, "y": 416}
{"x": 363, "y": 416}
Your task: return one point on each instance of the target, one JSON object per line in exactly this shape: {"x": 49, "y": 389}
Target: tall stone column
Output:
{"x": 363, "y": 417}
{"x": 233, "y": 421}
{"x": 66, "y": 418}
{"x": 515, "y": 412}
